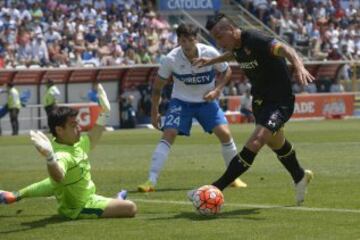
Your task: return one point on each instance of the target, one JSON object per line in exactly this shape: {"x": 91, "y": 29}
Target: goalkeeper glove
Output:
{"x": 43, "y": 145}
{"x": 103, "y": 99}
{"x": 104, "y": 104}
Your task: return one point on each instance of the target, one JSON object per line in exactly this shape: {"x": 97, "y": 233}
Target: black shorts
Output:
{"x": 272, "y": 115}
{"x": 48, "y": 109}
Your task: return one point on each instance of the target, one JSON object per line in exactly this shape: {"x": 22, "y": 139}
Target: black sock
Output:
{"x": 238, "y": 165}
{"x": 287, "y": 156}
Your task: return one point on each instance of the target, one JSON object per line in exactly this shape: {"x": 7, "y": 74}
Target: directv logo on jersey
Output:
{"x": 248, "y": 65}
{"x": 197, "y": 78}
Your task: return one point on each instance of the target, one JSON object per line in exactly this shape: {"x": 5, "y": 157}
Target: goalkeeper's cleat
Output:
{"x": 122, "y": 195}
{"x": 300, "y": 187}
{"x": 148, "y": 186}
{"x": 238, "y": 183}
{"x": 8, "y": 197}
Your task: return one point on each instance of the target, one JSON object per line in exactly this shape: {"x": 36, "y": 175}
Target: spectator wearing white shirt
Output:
{"x": 100, "y": 4}
{"x": 350, "y": 42}
{"x": 77, "y": 14}
{"x": 24, "y": 53}
{"x": 89, "y": 12}
{"x": 357, "y": 44}
{"x": 298, "y": 11}
{"x": 52, "y": 35}
{"x": 102, "y": 23}
{"x": 65, "y": 23}
{"x": 333, "y": 33}
{"x": 244, "y": 86}
{"x": 24, "y": 12}
{"x": 261, "y": 7}
{"x": 320, "y": 12}
{"x": 86, "y": 2}
{"x": 15, "y": 15}
{"x": 351, "y": 11}
{"x": 40, "y": 51}
{"x": 287, "y": 26}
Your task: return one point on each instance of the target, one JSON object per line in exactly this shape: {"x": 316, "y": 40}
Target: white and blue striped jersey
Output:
{"x": 190, "y": 83}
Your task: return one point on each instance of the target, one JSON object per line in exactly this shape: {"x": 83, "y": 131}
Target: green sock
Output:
{"x": 43, "y": 188}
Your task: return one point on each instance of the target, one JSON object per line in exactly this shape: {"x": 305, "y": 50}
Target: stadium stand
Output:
{"x": 81, "y": 33}
{"x": 320, "y": 29}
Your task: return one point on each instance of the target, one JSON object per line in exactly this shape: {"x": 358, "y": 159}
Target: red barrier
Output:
{"x": 331, "y": 105}
{"x": 88, "y": 114}
{"x": 234, "y": 117}
{"x": 324, "y": 105}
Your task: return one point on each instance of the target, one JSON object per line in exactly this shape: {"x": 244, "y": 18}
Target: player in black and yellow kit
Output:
{"x": 263, "y": 59}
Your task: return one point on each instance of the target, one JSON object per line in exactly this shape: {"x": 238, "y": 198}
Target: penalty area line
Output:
{"x": 261, "y": 206}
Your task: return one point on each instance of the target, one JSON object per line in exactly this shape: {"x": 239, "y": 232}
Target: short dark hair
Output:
{"x": 58, "y": 117}
{"x": 187, "y": 30}
{"x": 213, "y": 20}
{"x": 50, "y": 82}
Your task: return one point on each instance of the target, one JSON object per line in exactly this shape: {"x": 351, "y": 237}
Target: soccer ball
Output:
{"x": 208, "y": 200}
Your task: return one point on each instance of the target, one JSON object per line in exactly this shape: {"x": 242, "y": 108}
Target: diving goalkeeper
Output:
{"x": 69, "y": 168}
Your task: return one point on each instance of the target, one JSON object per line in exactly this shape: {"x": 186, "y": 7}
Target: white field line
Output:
{"x": 291, "y": 208}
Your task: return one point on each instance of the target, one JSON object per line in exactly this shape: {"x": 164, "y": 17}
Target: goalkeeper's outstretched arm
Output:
{"x": 43, "y": 145}
{"x": 96, "y": 132}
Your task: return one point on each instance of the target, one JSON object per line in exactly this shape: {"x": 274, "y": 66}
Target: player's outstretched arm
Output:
{"x": 44, "y": 147}
{"x": 302, "y": 75}
{"x": 157, "y": 86}
{"x": 220, "y": 84}
{"x": 96, "y": 132}
{"x": 203, "y": 62}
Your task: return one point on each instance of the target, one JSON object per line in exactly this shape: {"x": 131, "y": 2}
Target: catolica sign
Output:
{"x": 191, "y": 5}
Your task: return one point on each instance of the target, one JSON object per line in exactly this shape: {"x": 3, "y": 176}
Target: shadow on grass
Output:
{"x": 249, "y": 214}
{"x": 26, "y": 226}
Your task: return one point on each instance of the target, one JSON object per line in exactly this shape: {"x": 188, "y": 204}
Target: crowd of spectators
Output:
{"x": 54, "y": 33}
{"x": 323, "y": 29}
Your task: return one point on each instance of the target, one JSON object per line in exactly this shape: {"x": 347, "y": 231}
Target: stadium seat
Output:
{"x": 136, "y": 76}
{"x": 20, "y": 67}
{"x": 78, "y": 76}
{"x": 34, "y": 66}
{"x": 28, "y": 77}
{"x": 325, "y": 76}
{"x": 312, "y": 68}
{"x": 58, "y": 76}
{"x": 110, "y": 74}
{"x": 327, "y": 71}
{"x": 237, "y": 74}
{"x": 6, "y": 76}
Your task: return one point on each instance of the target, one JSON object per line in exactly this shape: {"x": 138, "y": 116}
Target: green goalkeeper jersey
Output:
{"x": 73, "y": 192}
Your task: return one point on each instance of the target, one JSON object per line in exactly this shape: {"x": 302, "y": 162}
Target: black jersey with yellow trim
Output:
{"x": 268, "y": 74}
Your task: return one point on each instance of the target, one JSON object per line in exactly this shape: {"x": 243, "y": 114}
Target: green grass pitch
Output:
{"x": 264, "y": 210}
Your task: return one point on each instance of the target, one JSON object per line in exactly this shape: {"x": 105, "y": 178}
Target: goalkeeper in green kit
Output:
{"x": 69, "y": 168}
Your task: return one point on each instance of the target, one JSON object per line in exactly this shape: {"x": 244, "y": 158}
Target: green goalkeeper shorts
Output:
{"x": 95, "y": 207}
